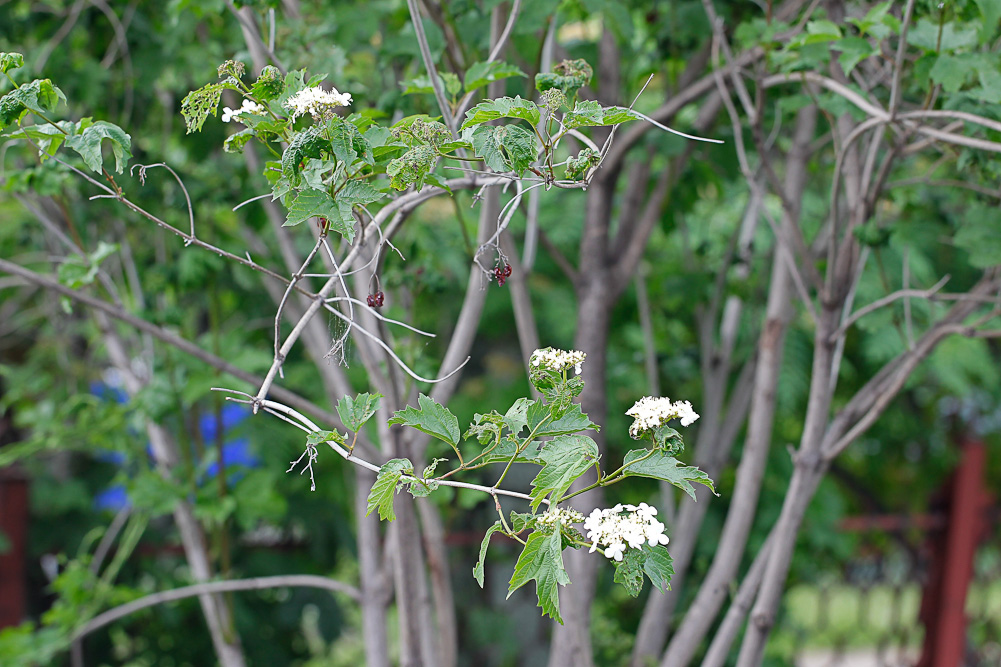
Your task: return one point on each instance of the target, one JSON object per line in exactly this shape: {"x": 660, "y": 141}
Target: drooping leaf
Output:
{"x": 502, "y": 107}
{"x": 88, "y": 144}
{"x": 431, "y": 418}
{"x": 269, "y": 84}
{"x": 629, "y": 572}
{"x": 481, "y": 74}
{"x": 39, "y": 96}
{"x": 564, "y": 459}
{"x": 411, "y": 168}
{"x": 542, "y": 561}
{"x": 666, "y": 468}
{"x": 484, "y": 545}
{"x": 384, "y": 490}
{"x": 235, "y": 143}
{"x": 356, "y": 411}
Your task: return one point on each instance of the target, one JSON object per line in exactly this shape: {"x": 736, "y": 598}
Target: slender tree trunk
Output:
{"x": 374, "y": 596}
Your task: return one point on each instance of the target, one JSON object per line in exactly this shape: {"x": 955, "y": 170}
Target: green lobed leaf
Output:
{"x": 411, "y": 168}
{"x": 484, "y": 545}
{"x": 542, "y": 561}
{"x": 269, "y": 84}
{"x": 666, "y": 468}
{"x": 431, "y": 418}
{"x": 486, "y": 428}
{"x": 354, "y": 412}
{"x": 384, "y": 490}
{"x": 481, "y": 74}
{"x": 305, "y": 204}
{"x": 658, "y": 566}
{"x": 486, "y": 144}
{"x": 88, "y": 145}
{"x": 572, "y": 421}
{"x": 502, "y": 107}
{"x": 564, "y": 459}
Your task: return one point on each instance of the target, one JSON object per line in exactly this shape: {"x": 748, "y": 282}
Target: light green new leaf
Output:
{"x": 88, "y": 145}
{"x": 586, "y": 113}
{"x": 384, "y": 489}
{"x": 484, "y": 545}
{"x": 542, "y": 560}
{"x": 356, "y": 411}
{"x": 9, "y": 61}
{"x": 319, "y": 437}
{"x": 431, "y": 418}
{"x": 480, "y": 74}
{"x": 503, "y": 107}
{"x": 564, "y": 459}
{"x": 666, "y": 468}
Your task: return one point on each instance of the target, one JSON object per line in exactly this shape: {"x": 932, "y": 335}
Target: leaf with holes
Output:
{"x": 39, "y": 96}
{"x": 198, "y": 104}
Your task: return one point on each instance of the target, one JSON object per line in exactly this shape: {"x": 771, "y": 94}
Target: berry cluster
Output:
{"x": 502, "y": 273}
{"x": 376, "y": 300}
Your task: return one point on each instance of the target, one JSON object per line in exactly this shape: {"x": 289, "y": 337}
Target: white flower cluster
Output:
{"x": 564, "y": 515}
{"x": 247, "y": 107}
{"x": 558, "y": 360}
{"x": 622, "y": 527}
{"x": 650, "y": 412}
{"x": 316, "y": 102}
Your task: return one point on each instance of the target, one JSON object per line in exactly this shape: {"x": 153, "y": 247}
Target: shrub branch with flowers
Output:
{"x": 548, "y": 433}
{"x": 330, "y": 166}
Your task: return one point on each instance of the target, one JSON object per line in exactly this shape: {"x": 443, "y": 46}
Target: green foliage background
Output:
{"x": 51, "y": 351}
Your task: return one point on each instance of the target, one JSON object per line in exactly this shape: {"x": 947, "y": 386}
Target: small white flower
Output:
{"x": 558, "y": 360}
{"x": 316, "y": 102}
{"x": 564, "y": 515}
{"x": 622, "y": 527}
{"x": 248, "y": 106}
{"x": 650, "y": 412}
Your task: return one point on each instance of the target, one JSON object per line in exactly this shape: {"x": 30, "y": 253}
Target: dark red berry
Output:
{"x": 376, "y": 300}
{"x": 507, "y": 270}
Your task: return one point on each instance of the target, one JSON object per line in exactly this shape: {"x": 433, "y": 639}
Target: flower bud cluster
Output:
{"x": 316, "y": 102}
{"x": 650, "y": 412}
{"x": 563, "y": 515}
{"x": 247, "y": 107}
{"x": 624, "y": 527}
{"x": 558, "y": 360}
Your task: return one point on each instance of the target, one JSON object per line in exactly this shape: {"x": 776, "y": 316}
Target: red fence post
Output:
{"x": 14, "y": 524}
{"x": 944, "y": 606}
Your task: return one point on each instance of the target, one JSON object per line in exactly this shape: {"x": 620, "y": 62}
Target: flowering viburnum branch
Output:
{"x": 548, "y": 433}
